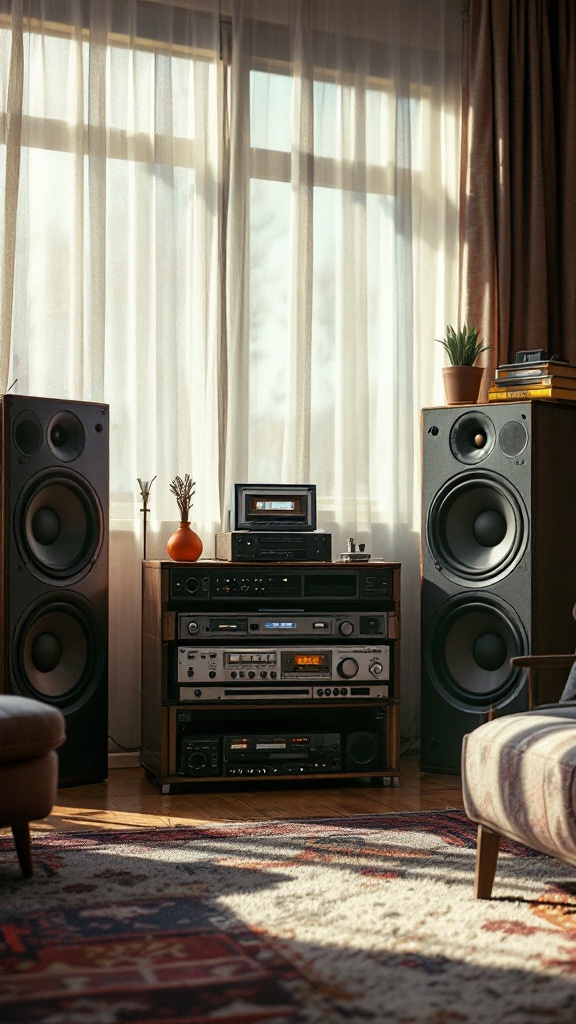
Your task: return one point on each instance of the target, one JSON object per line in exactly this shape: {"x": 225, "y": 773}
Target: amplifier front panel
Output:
{"x": 282, "y": 664}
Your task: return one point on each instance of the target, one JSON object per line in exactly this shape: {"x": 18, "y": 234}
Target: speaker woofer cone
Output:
{"x": 57, "y": 654}
{"x": 468, "y": 647}
{"x": 477, "y": 529}
{"x": 59, "y": 526}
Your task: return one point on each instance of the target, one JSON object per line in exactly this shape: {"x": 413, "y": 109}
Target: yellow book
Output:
{"x": 519, "y": 394}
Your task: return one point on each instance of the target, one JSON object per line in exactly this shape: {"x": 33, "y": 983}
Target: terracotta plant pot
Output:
{"x": 184, "y": 545}
{"x": 462, "y": 384}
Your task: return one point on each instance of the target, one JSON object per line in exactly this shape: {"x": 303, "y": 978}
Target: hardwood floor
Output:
{"x": 129, "y": 800}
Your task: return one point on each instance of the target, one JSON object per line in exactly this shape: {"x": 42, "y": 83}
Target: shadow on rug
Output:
{"x": 286, "y": 922}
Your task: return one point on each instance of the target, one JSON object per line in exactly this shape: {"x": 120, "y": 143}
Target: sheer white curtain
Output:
{"x": 110, "y": 239}
{"x": 243, "y": 236}
{"x": 342, "y": 261}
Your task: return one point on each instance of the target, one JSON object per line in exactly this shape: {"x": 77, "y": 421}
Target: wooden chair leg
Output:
{"x": 487, "y": 847}
{"x": 23, "y": 845}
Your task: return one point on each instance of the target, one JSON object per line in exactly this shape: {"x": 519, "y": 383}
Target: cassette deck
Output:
{"x": 284, "y": 664}
{"x": 295, "y": 673}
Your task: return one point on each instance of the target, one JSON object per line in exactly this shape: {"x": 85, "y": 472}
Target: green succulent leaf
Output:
{"x": 463, "y": 346}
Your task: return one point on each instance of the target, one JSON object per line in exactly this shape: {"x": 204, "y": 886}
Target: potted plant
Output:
{"x": 462, "y": 378}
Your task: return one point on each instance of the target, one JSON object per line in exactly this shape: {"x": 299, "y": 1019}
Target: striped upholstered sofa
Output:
{"x": 519, "y": 780}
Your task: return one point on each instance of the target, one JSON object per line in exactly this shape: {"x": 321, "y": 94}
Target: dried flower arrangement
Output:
{"x": 183, "y": 489}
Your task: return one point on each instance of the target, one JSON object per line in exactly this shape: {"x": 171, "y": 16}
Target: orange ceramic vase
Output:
{"x": 184, "y": 545}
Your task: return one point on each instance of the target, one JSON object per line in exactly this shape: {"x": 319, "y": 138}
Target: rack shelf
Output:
{"x": 209, "y": 626}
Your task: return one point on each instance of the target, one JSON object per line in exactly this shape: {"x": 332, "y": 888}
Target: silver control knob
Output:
{"x": 193, "y": 627}
{"x": 347, "y": 668}
{"x": 376, "y": 668}
{"x": 346, "y": 628}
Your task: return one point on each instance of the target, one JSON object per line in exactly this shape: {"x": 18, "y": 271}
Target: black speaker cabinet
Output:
{"x": 54, "y": 569}
{"x": 498, "y": 560}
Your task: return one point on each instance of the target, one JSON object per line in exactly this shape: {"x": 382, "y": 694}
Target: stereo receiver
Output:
{"x": 282, "y": 673}
{"x": 280, "y": 741}
{"x": 281, "y": 623}
{"x": 238, "y": 585}
{"x": 285, "y": 664}
{"x": 305, "y": 754}
{"x": 248, "y": 755}
{"x": 239, "y": 546}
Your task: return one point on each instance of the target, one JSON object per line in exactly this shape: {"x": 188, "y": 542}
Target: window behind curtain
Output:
{"x": 345, "y": 129}
{"x": 116, "y": 280}
{"x": 256, "y": 297}
{"x": 116, "y": 277}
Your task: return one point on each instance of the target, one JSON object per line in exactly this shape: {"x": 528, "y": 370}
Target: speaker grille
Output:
{"x": 27, "y": 433}
{"x": 513, "y": 439}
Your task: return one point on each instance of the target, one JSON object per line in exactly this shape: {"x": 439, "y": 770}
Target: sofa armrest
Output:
{"x": 533, "y": 663}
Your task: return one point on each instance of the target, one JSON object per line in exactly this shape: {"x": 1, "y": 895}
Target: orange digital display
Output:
{"x": 309, "y": 659}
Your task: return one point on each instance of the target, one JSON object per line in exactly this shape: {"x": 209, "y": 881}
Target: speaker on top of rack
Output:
{"x": 54, "y": 569}
{"x": 498, "y": 560}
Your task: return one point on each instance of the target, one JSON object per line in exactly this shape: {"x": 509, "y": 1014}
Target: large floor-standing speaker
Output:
{"x": 498, "y": 560}
{"x": 54, "y": 569}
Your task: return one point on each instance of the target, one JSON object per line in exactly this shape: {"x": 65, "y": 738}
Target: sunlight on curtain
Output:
{"x": 347, "y": 125}
{"x": 116, "y": 278}
{"x": 255, "y": 295}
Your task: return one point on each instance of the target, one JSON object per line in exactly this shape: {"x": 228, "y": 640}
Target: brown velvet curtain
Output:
{"x": 518, "y": 183}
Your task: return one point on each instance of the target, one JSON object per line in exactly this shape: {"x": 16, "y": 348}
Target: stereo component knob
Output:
{"x": 193, "y": 627}
{"x": 347, "y": 668}
{"x": 346, "y": 628}
{"x": 376, "y": 668}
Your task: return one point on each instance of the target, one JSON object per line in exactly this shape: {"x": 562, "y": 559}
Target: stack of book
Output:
{"x": 543, "y": 379}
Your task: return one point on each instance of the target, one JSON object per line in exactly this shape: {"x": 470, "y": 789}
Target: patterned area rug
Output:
{"x": 286, "y": 922}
